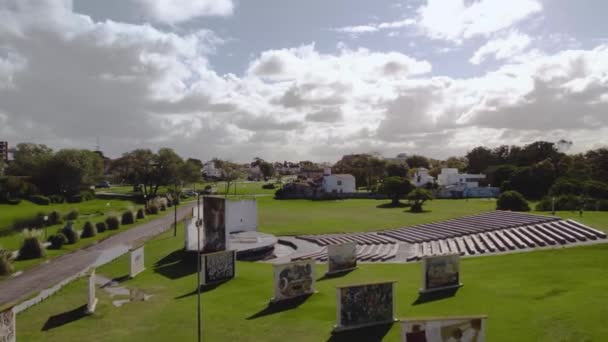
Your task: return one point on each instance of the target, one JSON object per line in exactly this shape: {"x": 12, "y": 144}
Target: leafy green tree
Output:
{"x": 597, "y": 161}
{"x": 512, "y": 200}
{"x": 417, "y": 161}
{"x": 29, "y": 160}
{"x": 71, "y": 170}
{"x": 397, "y": 170}
{"x": 479, "y": 159}
{"x": 395, "y": 188}
{"x": 417, "y": 197}
{"x": 190, "y": 172}
{"x": 366, "y": 169}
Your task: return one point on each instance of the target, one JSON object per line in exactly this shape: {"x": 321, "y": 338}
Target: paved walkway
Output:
{"x": 47, "y": 275}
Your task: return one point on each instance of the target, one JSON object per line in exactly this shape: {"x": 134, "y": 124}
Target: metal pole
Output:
{"x": 175, "y": 200}
{"x": 198, "y": 263}
{"x": 553, "y": 206}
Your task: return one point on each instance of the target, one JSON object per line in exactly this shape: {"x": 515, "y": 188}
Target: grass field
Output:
{"x": 556, "y": 295}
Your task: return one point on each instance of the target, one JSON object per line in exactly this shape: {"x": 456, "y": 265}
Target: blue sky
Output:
{"x": 303, "y": 79}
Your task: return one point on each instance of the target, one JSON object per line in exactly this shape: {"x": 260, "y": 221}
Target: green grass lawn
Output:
{"x": 556, "y": 295}
{"x": 242, "y": 188}
{"x": 289, "y": 217}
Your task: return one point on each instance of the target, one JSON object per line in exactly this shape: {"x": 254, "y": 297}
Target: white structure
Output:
{"x": 92, "y": 302}
{"x": 137, "y": 261}
{"x": 422, "y": 177}
{"x": 339, "y": 183}
{"x": 209, "y": 170}
{"x": 449, "y": 177}
{"x": 241, "y": 215}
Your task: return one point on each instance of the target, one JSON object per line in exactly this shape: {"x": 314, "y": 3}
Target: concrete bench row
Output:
{"x": 465, "y": 226}
{"x": 554, "y": 233}
{"x": 359, "y": 238}
{"x": 370, "y": 253}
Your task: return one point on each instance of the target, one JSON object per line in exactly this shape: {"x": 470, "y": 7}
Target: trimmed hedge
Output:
{"x": 72, "y": 215}
{"x": 70, "y": 234}
{"x": 58, "y": 240}
{"x": 113, "y": 223}
{"x": 57, "y": 199}
{"x": 88, "y": 230}
{"x": 152, "y": 209}
{"x": 512, "y": 200}
{"x": 101, "y": 227}
{"x": 54, "y": 218}
{"x": 31, "y": 248}
{"x": 40, "y": 200}
{"x": 140, "y": 214}
{"x": 127, "y": 217}
{"x": 268, "y": 186}
{"x": 6, "y": 267}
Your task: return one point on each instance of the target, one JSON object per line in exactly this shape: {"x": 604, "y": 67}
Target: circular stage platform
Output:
{"x": 252, "y": 245}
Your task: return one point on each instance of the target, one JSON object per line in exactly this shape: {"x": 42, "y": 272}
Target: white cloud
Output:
{"x": 176, "y": 11}
{"x": 456, "y": 20}
{"x": 375, "y": 27}
{"x": 502, "y": 48}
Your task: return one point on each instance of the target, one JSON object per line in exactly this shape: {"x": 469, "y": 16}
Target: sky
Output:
{"x": 303, "y": 80}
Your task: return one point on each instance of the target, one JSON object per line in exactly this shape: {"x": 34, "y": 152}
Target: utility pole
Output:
{"x": 198, "y": 267}
{"x": 175, "y": 200}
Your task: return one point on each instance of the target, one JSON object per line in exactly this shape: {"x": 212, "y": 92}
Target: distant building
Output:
{"x": 210, "y": 171}
{"x": 401, "y": 158}
{"x": 341, "y": 183}
{"x": 4, "y": 150}
{"x": 312, "y": 173}
{"x": 451, "y": 177}
{"x": 422, "y": 177}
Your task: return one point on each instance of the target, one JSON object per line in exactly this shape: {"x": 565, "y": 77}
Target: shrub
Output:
{"x": 6, "y": 268}
{"x": 87, "y": 195}
{"x": 40, "y": 200}
{"x": 31, "y": 248}
{"x": 88, "y": 230}
{"x": 152, "y": 209}
{"x": 163, "y": 206}
{"x": 512, "y": 200}
{"x": 54, "y": 218}
{"x": 36, "y": 221}
{"x": 74, "y": 199}
{"x": 13, "y": 201}
{"x": 268, "y": 186}
{"x": 113, "y": 222}
{"x": 101, "y": 227}
{"x": 57, "y": 199}
{"x": 140, "y": 214}
{"x": 72, "y": 215}
{"x": 279, "y": 194}
{"x": 58, "y": 240}
{"x": 127, "y": 217}
{"x": 70, "y": 234}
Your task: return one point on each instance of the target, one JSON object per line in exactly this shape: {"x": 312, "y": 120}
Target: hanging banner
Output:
{"x": 215, "y": 235}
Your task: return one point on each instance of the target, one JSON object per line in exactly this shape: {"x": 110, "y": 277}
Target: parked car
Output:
{"x": 103, "y": 184}
{"x": 209, "y": 190}
{"x": 189, "y": 193}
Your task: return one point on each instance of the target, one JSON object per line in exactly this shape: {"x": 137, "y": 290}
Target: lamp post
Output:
{"x": 198, "y": 263}
{"x": 553, "y": 205}
{"x": 46, "y": 218}
{"x": 175, "y": 200}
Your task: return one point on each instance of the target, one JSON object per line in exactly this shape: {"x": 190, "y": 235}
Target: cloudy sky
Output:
{"x": 295, "y": 80}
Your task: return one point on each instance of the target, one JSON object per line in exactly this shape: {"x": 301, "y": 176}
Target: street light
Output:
{"x": 198, "y": 265}
{"x": 46, "y": 218}
{"x": 175, "y": 201}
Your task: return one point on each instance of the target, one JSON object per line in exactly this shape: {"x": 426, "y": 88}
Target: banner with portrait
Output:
{"x": 445, "y": 329}
{"x": 215, "y": 236}
{"x": 293, "y": 279}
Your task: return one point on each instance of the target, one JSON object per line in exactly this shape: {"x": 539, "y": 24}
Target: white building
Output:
{"x": 209, "y": 170}
{"x": 422, "y": 177}
{"x": 341, "y": 183}
{"x": 450, "y": 177}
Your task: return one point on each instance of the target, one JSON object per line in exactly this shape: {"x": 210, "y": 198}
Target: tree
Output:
{"x": 397, "y": 170}
{"x": 195, "y": 161}
{"x": 190, "y": 172}
{"x": 598, "y": 164}
{"x": 267, "y": 169}
{"x": 479, "y": 159}
{"x": 366, "y": 168}
{"x": 417, "y": 161}
{"x": 70, "y": 171}
{"x": 497, "y": 175}
{"x": 395, "y": 188}
{"x": 512, "y": 200}
{"x": 230, "y": 173}
{"x": 29, "y": 160}
{"x": 418, "y": 197}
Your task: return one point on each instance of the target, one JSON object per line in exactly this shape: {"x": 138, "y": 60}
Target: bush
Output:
{"x": 13, "y": 201}
{"x": 57, "y": 199}
{"x": 88, "y": 230}
{"x": 87, "y": 195}
{"x": 512, "y": 200}
{"x": 40, "y": 200}
{"x": 54, "y": 218}
{"x": 127, "y": 217}
{"x": 70, "y": 234}
{"x": 72, "y": 215}
{"x": 279, "y": 194}
{"x": 74, "y": 199}
{"x": 31, "y": 248}
{"x": 6, "y": 268}
{"x": 101, "y": 227}
{"x": 113, "y": 222}
{"x": 268, "y": 186}
{"x": 152, "y": 209}
{"x": 140, "y": 214}
{"x": 163, "y": 206}
{"x": 29, "y": 222}
{"x": 58, "y": 240}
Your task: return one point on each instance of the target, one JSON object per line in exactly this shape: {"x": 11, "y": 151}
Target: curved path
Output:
{"x": 66, "y": 267}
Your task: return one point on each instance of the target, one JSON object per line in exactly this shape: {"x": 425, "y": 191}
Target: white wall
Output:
{"x": 331, "y": 183}
{"x": 452, "y": 177}
{"x": 241, "y": 215}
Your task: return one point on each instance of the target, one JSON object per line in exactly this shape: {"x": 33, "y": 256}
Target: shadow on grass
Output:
{"x": 175, "y": 265}
{"x": 121, "y": 279}
{"x": 417, "y": 212}
{"x": 434, "y": 296}
{"x": 65, "y": 318}
{"x": 335, "y": 275}
{"x": 369, "y": 334}
{"x": 391, "y": 205}
{"x": 204, "y": 288}
{"x": 284, "y": 305}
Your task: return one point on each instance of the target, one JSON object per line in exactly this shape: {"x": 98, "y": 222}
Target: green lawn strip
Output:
{"x": 243, "y": 188}
{"x": 290, "y": 217}
{"x": 536, "y": 296}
